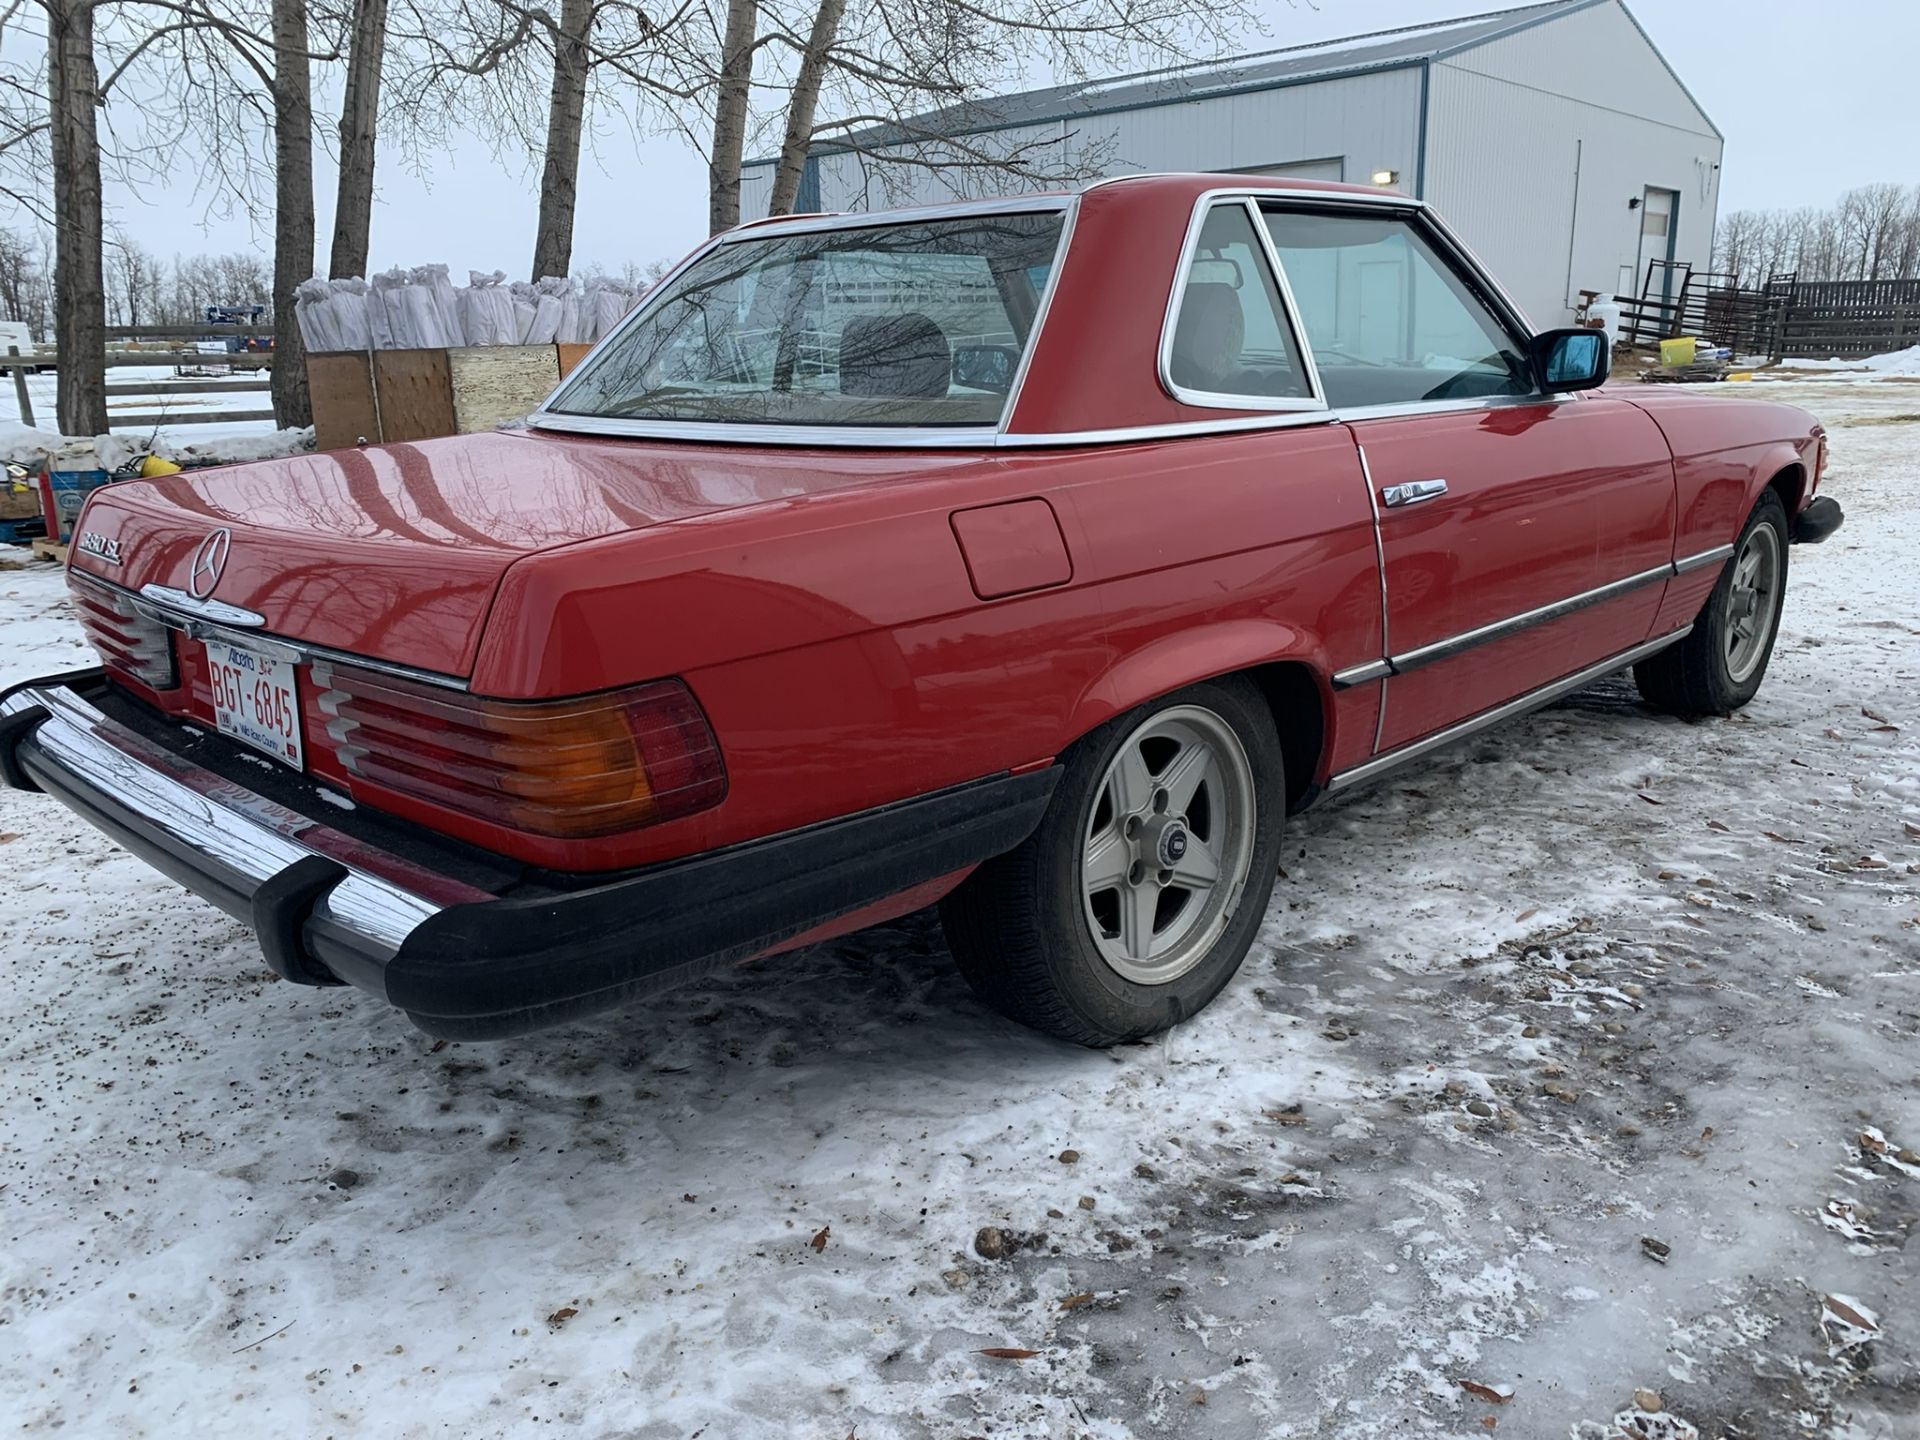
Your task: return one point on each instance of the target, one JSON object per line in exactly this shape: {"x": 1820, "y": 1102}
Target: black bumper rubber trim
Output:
{"x": 13, "y": 729}
{"x": 1820, "y": 519}
{"x": 506, "y": 967}
{"x": 281, "y": 908}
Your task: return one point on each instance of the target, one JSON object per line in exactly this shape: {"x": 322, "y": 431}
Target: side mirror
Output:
{"x": 1576, "y": 359}
{"x": 985, "y": 367}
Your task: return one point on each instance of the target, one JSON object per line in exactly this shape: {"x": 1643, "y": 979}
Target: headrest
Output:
{"x": 894, "y": 356}
{"x": 1209, "y": 340}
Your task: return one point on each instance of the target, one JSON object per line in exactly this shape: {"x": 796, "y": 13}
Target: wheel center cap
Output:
{"x": 1172, "y": 847}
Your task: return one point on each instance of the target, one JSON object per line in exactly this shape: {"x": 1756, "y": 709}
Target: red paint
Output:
{"x": 861, "y": 626}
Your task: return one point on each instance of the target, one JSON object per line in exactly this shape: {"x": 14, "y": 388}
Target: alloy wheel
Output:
{"x": 1168, "y": 841}
{"x": 1752, "y": 602}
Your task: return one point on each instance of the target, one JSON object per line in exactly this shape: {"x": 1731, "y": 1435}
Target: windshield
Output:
{"x": 920, "y": 324}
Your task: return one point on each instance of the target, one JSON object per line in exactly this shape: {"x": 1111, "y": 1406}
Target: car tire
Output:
{"x": 1044, "y": 938}
{"x": 1718, "y": 667}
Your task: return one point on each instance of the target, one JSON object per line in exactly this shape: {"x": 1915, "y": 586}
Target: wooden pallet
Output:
{"x": 45, "y": 549}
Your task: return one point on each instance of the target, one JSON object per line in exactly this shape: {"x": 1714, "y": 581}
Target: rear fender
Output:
{"x": 1176, "y": 661}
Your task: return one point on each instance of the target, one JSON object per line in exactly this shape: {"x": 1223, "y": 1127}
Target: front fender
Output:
{"x": 1173, "y": 662}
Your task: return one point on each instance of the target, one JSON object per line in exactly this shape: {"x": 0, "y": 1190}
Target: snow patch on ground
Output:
{"x": 1529, "y": 1084}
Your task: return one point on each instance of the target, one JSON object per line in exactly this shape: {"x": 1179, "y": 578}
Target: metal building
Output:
{"x": 1554, "y": 137}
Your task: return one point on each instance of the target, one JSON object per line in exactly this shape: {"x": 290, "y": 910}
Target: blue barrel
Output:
{"x": 69, "y": 490}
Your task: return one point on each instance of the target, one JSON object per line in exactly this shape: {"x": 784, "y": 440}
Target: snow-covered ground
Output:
{"x": 1595, "y": 988}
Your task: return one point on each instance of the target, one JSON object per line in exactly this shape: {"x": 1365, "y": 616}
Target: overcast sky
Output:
{"x": 1812, "y": 97}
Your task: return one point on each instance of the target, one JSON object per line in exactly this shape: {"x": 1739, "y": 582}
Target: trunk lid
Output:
{"x": 395, "y": 552}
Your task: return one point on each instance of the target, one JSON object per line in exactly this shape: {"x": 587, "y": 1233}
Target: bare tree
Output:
{"x": 566, "y": 118}
{"x": 293, "y": 203}
{"x": 1871, "y": 233}
{"x": 25, "y": 285}
{"x": 485, "y": 62}
{"x": 732, "y": 95}
{"x": 366, "y": 45}
{"x": 79, "y": 289}
{"x": 906, "y": 78}
{"x": 802, "y": 105}
{"x": 136, "y": 284}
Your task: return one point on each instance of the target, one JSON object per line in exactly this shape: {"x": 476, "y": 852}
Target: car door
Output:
{"x": 1523, "y": 536}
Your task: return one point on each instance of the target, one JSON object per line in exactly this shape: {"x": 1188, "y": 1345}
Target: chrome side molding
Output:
{"x": 1719, "y": 554}
{"x": 1520, "y": 705}
{"x": 1526, "y": 620}
{"x": 1500, "y": 629}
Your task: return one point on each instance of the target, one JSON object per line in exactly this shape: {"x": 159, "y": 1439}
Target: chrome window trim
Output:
{"x": 281, "y": 647}
{"x": 963, "y": 438}
{"x": 1519, "y": 705}
{"x": 1203, "y": 207}
{"x": 545, "y": 417}
{"x": 382, "y": 897}
{"x": 734, "y": 432}
{"x": 1719, "y": 554}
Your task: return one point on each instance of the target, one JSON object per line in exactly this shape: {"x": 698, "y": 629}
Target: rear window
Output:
{"x": 920, "y": 324}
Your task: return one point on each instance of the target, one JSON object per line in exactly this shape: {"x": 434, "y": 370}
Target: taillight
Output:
{"x": 127, "y": 641}
{"x": 567, "y": 768}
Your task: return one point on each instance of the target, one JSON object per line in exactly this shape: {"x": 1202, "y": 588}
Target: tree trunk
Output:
{"x": 79, "y": 288}
{"x": 566, "y": 117}
{"x": 359, "y": 117}
{"x": 293, "y": 206}
{"x": 730, "y": 116}
{"x": 802, "y": 105}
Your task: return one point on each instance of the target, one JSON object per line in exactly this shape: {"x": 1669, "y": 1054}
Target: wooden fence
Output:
{"x": 1787, "y": 318}
{"x": 196, "y": 373}
{"x": 1849, "y": 319}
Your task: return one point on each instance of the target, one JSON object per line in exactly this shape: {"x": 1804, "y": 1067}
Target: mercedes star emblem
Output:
{"x": 208, "y": 561}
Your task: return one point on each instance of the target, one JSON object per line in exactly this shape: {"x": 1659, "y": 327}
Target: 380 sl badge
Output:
{"x": 94, "y": 543}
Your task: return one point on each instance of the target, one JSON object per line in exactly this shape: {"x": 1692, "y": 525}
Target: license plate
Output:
{"x": 256, "y": 700}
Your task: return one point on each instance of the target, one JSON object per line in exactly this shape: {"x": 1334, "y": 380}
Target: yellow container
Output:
{"x": 1678, "y": 352}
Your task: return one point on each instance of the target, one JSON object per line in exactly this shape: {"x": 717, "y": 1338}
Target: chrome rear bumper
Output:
{"x": 218, "y": 838}
{"x": 464, "y": 962}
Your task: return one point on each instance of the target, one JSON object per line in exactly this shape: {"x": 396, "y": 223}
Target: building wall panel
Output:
{"x": 1539, "y": 185}
{"x": 1597, "y": 55}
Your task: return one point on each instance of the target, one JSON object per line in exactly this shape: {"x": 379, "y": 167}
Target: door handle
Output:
{"x": 1413, "y": 492}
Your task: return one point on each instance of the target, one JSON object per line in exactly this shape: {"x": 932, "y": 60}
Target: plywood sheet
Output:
{"x": 344, "y": 412}
{"x": 415, "y": 394}
{"x": 494, "y": 383}
{"x": 570, "y": 356}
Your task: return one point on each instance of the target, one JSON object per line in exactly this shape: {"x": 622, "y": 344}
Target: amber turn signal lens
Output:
{"x": 573, "y": 769}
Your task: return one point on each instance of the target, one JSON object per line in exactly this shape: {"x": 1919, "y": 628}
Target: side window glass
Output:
{"x": 1231, "y": 338}
{"x": 1390, "y": 322}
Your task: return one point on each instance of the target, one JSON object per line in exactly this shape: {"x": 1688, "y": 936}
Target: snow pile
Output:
{"x": 420, "y": 308}
{"x": 1900, "y": 362}
{"x": 1896, "y": 362}
{"x": 33, "y": 448}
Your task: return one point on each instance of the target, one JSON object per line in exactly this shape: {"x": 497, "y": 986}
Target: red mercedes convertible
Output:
{"x": 1035, "y": 556}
